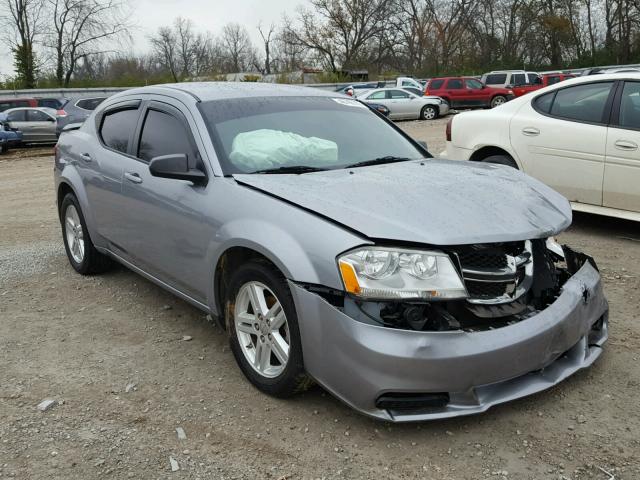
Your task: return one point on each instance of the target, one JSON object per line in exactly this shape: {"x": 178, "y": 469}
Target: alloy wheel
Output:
{"x": 74, "y": 234}
{"x": 262, "y": 329}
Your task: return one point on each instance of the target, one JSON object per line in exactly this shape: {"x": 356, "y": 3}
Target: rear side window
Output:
{"x": 584, "y": 103}
{"x": 89, "y": 103}
{"x": 17, "y": 116}
{"x": 398, "y": 94}
{"x": 117, "y": 127}
{"x": 630, "y": 106}
{"x": 164, "y": 134}
{"x": 454, "y": 83}
{"x": 51, "y": 103}
{"x": 496, "y": 79}
{"x": 436, "y": 84}
{"x": 543, "y": 102}
{"x": 377, "y": 96}
{"x": 518, "y": 79}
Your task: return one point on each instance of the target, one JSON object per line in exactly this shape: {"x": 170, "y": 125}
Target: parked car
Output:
{"x": 542, "y": 81}
{"x": 8, "y": 137}
{"x": 7, "y": 103}
{"x": 405, "y": 105}
{"x": 77, "y": 110}
{"x": 467, "y": 92}
{"x": 508, "y": 78}
{"x": 57, "y": 103}
{"x": 580, "y": 137}
{"x": 410, "y": 83}
{"x": 332, "y": 247}
{"x": 38, "y": 125}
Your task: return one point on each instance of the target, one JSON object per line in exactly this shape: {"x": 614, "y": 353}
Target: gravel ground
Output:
{"x": 110, "y": 350}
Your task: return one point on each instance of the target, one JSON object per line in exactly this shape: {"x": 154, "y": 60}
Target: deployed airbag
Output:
{"x": 262, "y": 149}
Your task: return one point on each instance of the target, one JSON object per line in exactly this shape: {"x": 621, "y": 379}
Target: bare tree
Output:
{"x": 237, "y": 49}
{"x": 80, "y": 29}
{"x": 267, "y": 41}
{"x": 164, "y": 47}
{"x": 25, "y": 20}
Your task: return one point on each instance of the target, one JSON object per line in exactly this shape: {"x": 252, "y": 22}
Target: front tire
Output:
{"x": 81, "y": 252}
{"x": 428, "y": 112}
{"x": 262, "y": 324}
{"x": 501, "y": 160}
{"x": 498, "y": 100}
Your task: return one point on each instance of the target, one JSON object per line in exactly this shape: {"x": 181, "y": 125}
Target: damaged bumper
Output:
{"x": 402, "y": 375}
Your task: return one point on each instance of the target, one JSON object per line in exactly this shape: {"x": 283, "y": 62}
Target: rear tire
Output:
{"x": 428, "y": 112}
{"x": 4, "y": 148}
{"x": 81, "y": 252}
{"x": 498, "y": 100}
{"x": 501, "y": 160}
{"x": 268, "y": 331}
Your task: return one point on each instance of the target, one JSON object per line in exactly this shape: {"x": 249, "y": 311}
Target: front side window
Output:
{"x": 260, "y": 133}
{"x": 117, "y": 127}
{"x": 164, "y": 134}
{"x": 585, "y": 103}
{"x": 454, "y": 84}
{"x": 37, "y": 116}
{"x": 630, "y": 106}
{"x": 473, "y": 83}
{"x": 518, "y": 79}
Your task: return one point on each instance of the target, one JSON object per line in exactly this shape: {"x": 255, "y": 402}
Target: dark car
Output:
{"x": 76, "y": 110}
{"x": 9, "y": 137}
{"x": 468, "y": 92}
{"x": 7, "y": 103}
{"x": 55, "y": 103}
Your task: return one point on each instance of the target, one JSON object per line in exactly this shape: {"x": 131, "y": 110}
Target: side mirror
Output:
{"x": 175, "y": 166}
{"x": 49, "y": 119}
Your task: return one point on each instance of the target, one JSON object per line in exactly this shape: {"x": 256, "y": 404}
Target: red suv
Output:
{"x": 7, "y": 103}
{"x": 467, "y": 92}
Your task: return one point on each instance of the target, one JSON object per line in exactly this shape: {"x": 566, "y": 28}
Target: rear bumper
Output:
{"x": 358, "y": 362}
{"x": 456, "y": 153}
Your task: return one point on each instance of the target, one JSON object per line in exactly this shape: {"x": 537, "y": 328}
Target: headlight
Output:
{"x": 391, "y": 273}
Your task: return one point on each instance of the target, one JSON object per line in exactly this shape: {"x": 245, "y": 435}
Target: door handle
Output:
{"x": 530, "y": 131}
{"x": 626, "y": 145}
{"x": 86, "y": 157}
{"x": 133, "y": 177}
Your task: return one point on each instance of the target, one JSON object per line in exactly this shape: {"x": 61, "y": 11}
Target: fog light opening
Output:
{"x": 403, "y": 401}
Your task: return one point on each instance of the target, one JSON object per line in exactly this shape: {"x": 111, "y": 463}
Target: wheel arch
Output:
{"x": 488, "y": 150}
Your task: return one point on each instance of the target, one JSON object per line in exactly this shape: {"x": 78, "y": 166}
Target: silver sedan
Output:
{"x": 404, "y": 105}
{"x": 38, "y": 125}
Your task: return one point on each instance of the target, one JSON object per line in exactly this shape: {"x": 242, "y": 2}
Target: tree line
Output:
{"x": 84, "y": 42}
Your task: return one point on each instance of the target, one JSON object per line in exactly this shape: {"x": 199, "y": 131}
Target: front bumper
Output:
{"x": 443, "y": 108}
{"x": 358, "y": 362}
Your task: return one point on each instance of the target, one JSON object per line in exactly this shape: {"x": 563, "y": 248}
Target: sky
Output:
{"x": 212, "y": 15}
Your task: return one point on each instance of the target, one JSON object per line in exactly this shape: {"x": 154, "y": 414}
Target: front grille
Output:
{"x": 497, "y": 272}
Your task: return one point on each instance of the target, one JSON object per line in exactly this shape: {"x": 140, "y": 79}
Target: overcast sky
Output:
{"x": 211, "y": 15}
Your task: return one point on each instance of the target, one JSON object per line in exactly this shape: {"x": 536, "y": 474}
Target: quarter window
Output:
{"x": 117, "y": 127}
{"x": 164, "y": 134}
{"x": 454, "y": 84}
{"x": 584, "y": 103}
{"x": 630, "y": 106}
{"x": 543, "y": 102}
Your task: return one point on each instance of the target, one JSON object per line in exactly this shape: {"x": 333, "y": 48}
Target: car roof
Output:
{"x": 208, "y": 91}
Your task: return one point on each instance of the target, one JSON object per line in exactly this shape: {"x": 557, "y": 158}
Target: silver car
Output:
{"x": 404, "y": 105}
{"x": 332, "y": 247}
{"x": 38, "y": 124}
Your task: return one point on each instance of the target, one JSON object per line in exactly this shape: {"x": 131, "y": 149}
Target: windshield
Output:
{"x": 266, "y": 133}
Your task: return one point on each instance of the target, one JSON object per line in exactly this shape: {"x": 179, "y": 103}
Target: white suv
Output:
{"x": 512, "y": 78}
{"x": 580, "y": 137}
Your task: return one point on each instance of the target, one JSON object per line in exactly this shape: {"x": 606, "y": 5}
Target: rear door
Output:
{"x": 166, "y": 233}
{"x": 102, "y": 164}
{"x": 560, "y": 138}
{"x": 455, "y": 92}
{"x": 621, "y": 188}
{"x": 402, "y": 103}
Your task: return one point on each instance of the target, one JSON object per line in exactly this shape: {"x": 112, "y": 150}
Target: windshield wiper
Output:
{"x": 292, "y": 169}
{"x": 378, "y": 161}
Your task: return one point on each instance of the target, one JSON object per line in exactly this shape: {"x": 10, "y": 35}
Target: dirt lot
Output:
{"x": 110, "y": 349}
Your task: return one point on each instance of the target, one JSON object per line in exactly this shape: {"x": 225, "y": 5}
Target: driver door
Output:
{"x": 401, "y": 103}
{"x": 167, "y": 233}
{"x": 42, "y": 126}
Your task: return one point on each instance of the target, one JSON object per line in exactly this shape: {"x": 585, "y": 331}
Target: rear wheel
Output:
{"x": 4, "y": 148}
{"x": 263, "y": 330}
{"x": 501, "y": 160}
{"x": 498, "y": 100}
{"x": 428, "y": 112}
{"x": 81, "y": 252}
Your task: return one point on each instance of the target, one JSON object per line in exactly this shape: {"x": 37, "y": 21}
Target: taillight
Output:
{"x": 61, "y": 113}
{"x": 448, "y": 129}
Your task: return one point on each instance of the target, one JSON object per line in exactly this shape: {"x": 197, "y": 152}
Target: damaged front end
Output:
{"x": 521, "y": 317}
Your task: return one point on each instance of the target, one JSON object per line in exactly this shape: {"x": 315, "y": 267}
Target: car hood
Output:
{"x": 437, "y": 202}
